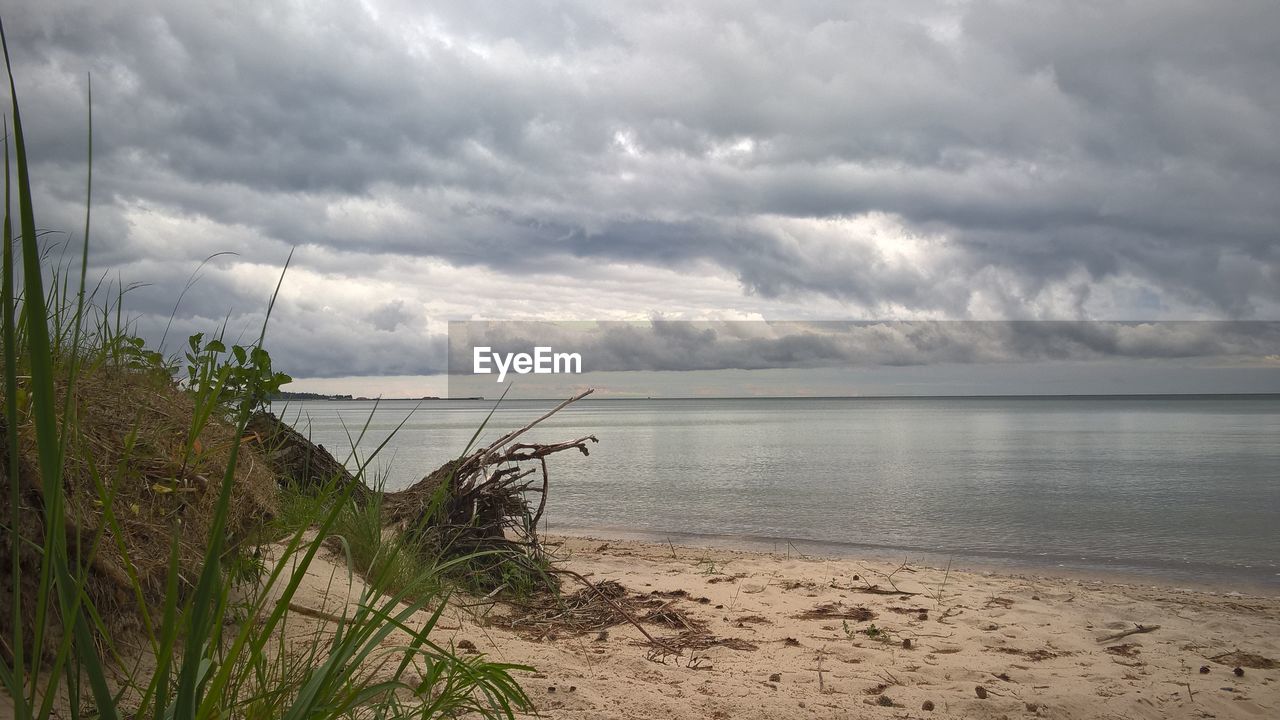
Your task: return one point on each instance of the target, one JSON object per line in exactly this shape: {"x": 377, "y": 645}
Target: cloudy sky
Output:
{"x": 618, "y": 161}
{"x": 677, "y": 358}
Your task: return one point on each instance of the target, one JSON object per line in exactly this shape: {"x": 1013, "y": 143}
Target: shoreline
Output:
{"x": 743, "y": 635}
{"x": 1011, "y": 566}
{"x": 776, "y": 636}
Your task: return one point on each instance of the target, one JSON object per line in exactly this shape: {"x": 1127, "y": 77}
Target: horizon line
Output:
{"x": 334, "y": 397}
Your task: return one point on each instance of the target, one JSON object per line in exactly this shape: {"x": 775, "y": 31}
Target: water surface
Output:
{"x": 1176, "y": 488}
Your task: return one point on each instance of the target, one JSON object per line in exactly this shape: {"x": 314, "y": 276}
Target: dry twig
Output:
{"x": 1138, "y": 628}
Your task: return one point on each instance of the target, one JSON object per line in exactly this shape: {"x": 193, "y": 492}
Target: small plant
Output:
{"x": 875, "y": 633}
{"x": 709, "y": 567}
{"x": 226, "y": 378}
{"x": 131, "y": 352}
{"x": 942, "y": 587}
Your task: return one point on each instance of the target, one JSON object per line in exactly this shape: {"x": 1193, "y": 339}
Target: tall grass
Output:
{"x": 56, "y": 333}
{"x": 393, "y": 561}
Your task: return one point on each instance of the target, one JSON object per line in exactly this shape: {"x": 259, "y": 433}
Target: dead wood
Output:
{"x": 836, "y": 611}
{"x": 614, "y": 604}
{"x": 1032, "y": 655}
{"x": 317, "y": 614}
{"x": 870, "y": 589}
{"x": 1132, "y": 631}
{"x": 297, "y": 461}
{"x": 483, "y": 502}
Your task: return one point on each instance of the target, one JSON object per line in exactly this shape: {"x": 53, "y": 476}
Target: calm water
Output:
{"x": 1181, "y": 489}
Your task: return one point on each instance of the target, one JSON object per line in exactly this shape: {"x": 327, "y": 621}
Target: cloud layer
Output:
{"x": 666, "y": 345}
{"x": 813, "y": 160}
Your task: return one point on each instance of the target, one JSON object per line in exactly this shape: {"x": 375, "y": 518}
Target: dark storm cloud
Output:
{"x": 1045, "y": 159}
{"x": 663, "y": 345}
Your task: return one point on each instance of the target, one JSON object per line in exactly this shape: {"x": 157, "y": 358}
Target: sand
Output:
{"x": 1031, "y": 643}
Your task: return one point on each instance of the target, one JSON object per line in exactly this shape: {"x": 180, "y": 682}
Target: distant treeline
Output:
{"x": 285, "y": 395}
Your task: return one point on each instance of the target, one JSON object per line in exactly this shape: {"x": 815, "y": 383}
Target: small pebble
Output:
{"x": 776, "y": 677}
{"x": 885, "y": 701}
{"x": 923, "y": 616}
{"x": 573, "y": 688}
{"x": 551, "y": 689}
{"x": 981, "y": 692}
{"x": 927, "y": 706}
{"x": 1032, "y": 707}
{"x": 1239, "y": 672}
{"x": 1204, "y": 669}
{"x": 906, "y": 643}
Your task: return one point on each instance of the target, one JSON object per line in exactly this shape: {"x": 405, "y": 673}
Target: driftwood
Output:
{"x": 870, "y": 589}
{"x": 1132, "y": 631}
{"x": 480, "y": 506}
{"x": 612, "y": 603}
{"x": 482, "y": 502}
{"x": 488, "y": 481}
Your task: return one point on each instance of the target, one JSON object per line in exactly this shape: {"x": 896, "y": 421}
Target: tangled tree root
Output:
{"x": 480, "y": 506}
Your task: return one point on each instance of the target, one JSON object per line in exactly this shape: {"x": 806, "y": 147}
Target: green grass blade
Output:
{"x": 43, "y": 401}
{"x": 13, "y": 677}
{"x": 209, "y": 597}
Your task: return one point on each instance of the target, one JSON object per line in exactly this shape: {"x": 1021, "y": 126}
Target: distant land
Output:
{"x": 286, "y": 395}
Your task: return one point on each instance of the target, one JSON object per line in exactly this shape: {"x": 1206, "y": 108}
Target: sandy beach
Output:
{"x": 775, "y": 636}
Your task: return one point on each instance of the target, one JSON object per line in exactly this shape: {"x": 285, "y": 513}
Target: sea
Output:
{"x": 1180, "y": 490}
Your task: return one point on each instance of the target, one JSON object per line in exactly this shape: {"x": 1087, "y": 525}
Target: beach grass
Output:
{"x": 78, "y": 490}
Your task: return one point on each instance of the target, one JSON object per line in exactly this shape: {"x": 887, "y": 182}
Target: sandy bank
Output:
{"x": 781, "y": 648}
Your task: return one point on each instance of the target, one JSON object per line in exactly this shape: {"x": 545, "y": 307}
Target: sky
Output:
{"x": 429, "y": 162}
